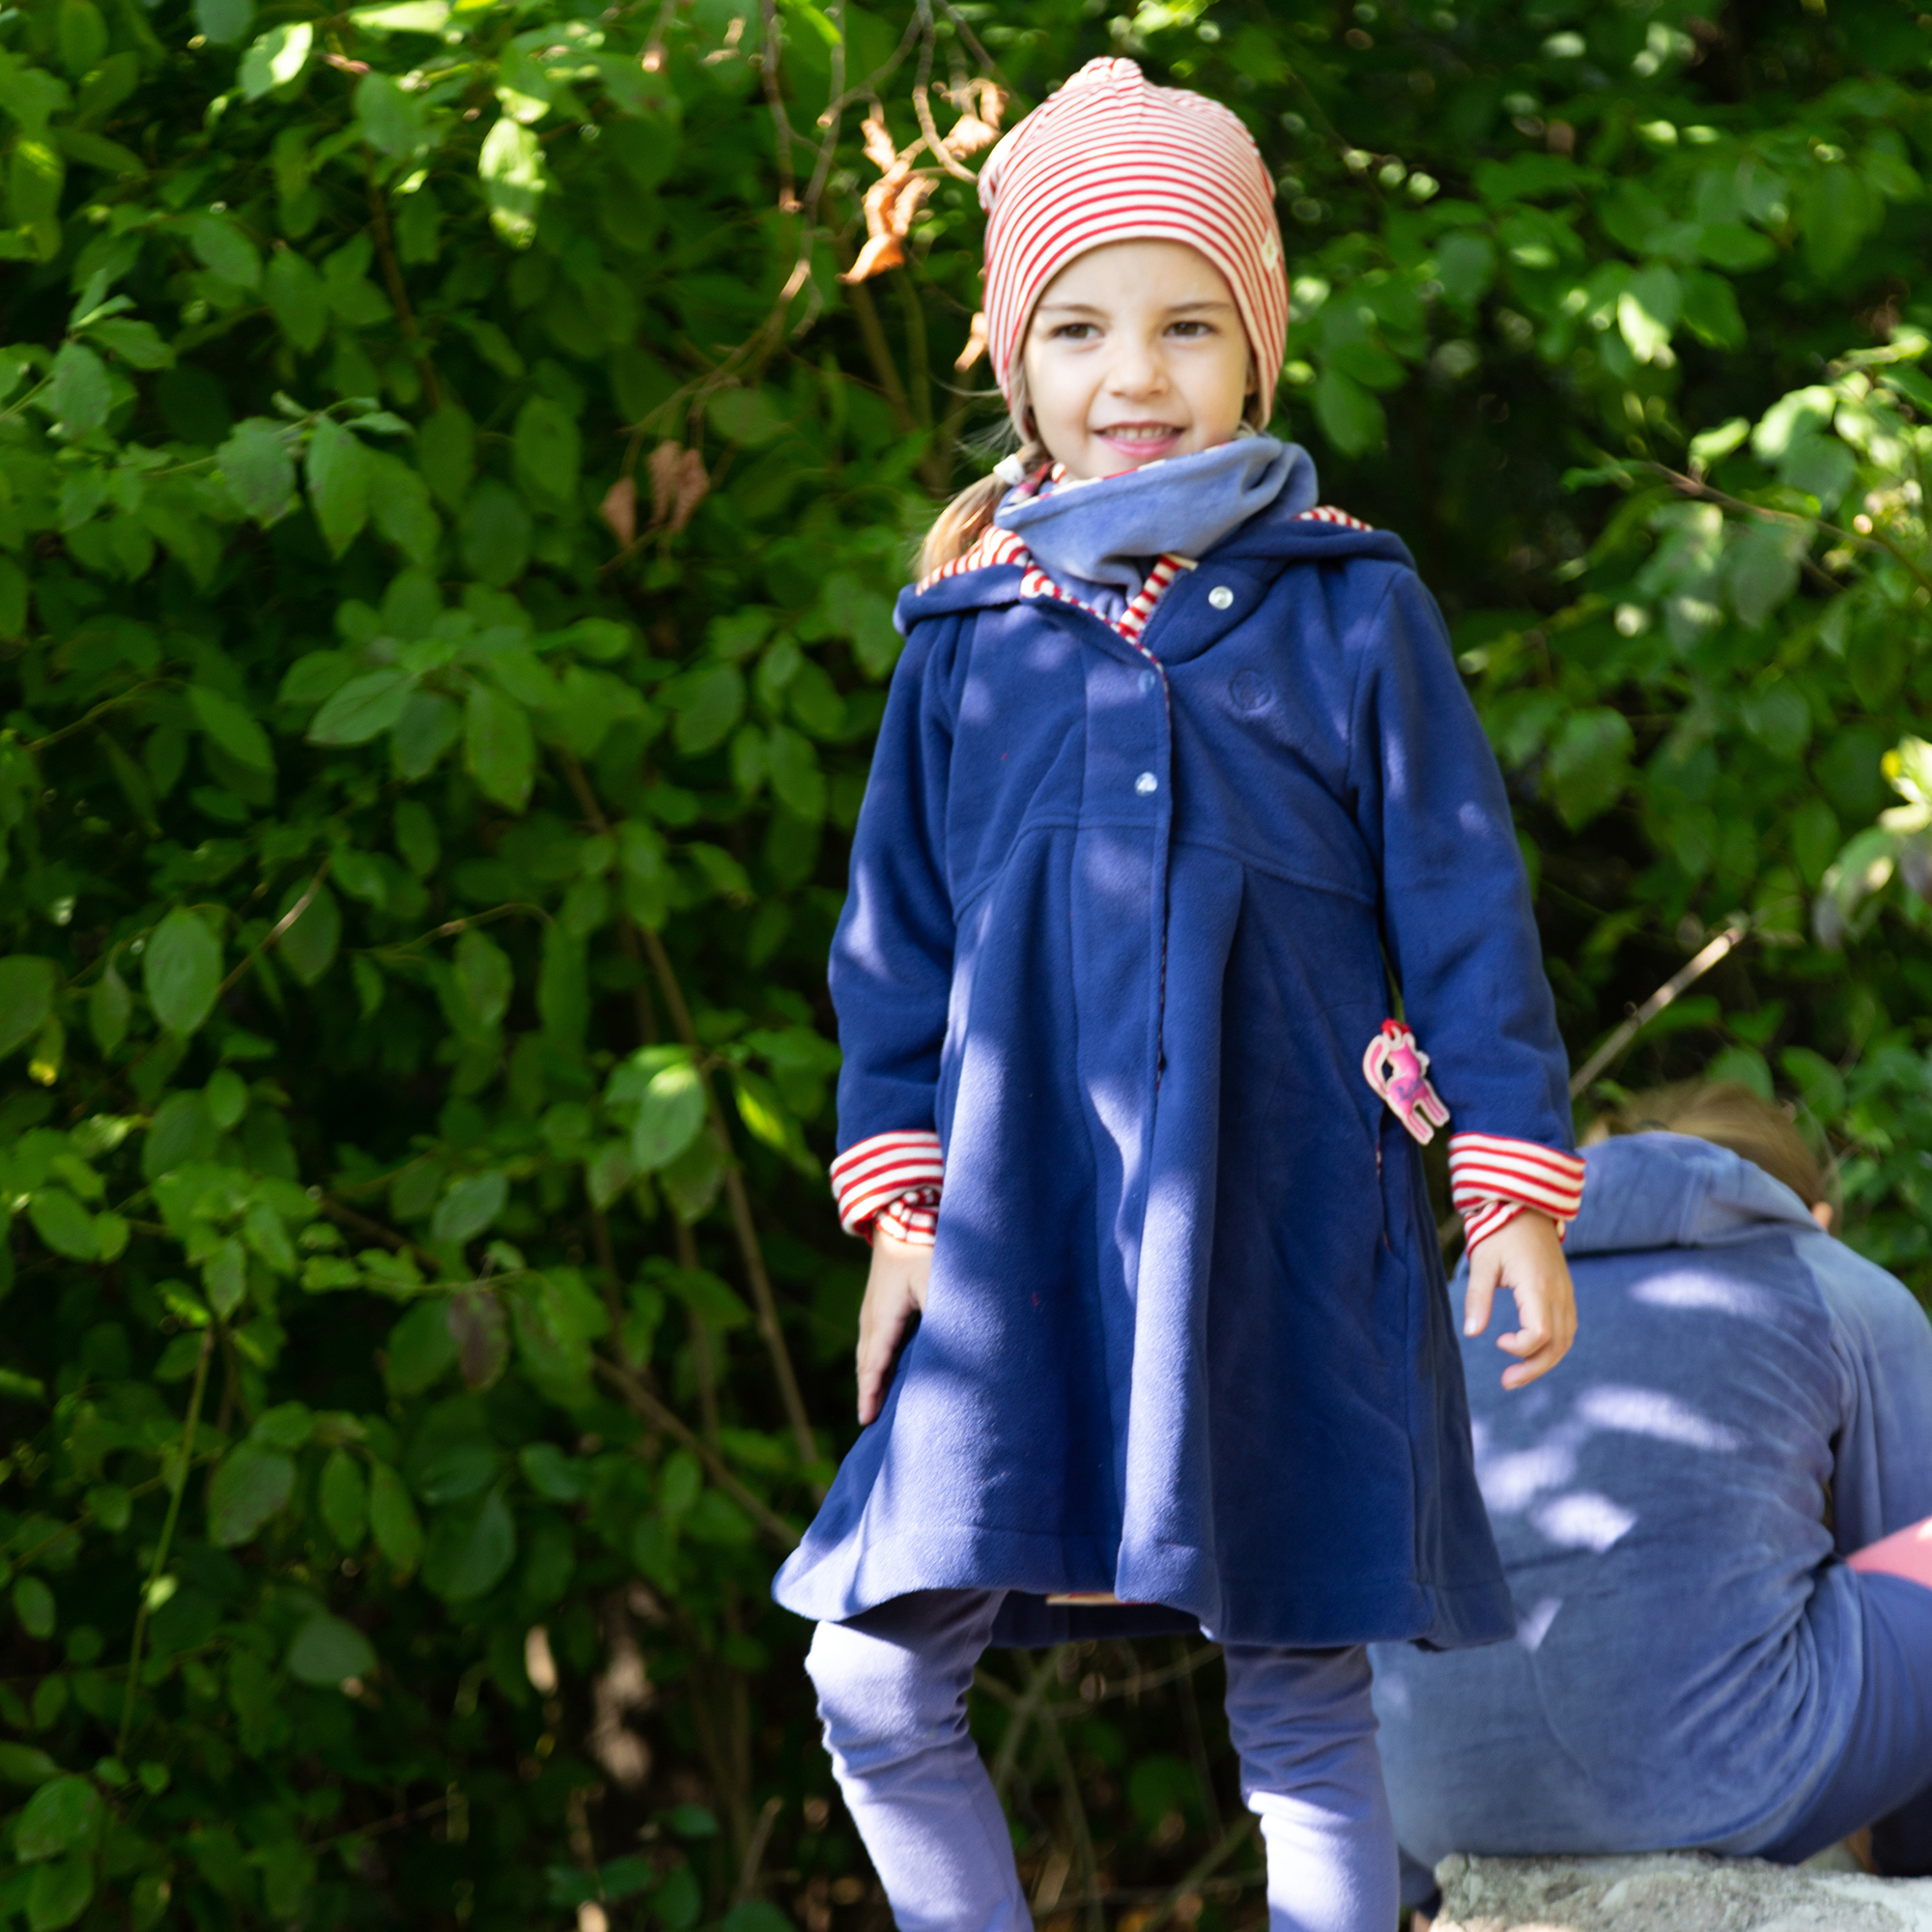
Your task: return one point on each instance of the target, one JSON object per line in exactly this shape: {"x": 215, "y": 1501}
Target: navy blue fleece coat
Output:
{"x": 1120, "y": 929}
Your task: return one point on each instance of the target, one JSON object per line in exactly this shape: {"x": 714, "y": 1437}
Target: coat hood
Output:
{"x": 1670, "y": 1191}
{"x": 1278, "y": 533}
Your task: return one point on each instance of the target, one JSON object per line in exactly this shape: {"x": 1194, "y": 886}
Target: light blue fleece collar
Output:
{"x": 1099, "y": 540}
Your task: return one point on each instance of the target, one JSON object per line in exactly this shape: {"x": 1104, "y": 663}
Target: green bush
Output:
{"x": 449, "y": 512}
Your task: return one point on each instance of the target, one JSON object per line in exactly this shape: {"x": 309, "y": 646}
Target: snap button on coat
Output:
{"x": 1220, "y": 597}
{"x": 1147, "y": 783}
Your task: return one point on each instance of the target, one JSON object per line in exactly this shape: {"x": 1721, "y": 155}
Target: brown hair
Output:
{"x": 1729, "y": 1113}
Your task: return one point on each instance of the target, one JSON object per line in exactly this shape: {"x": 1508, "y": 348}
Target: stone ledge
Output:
{"x": 1676, "y": 1891}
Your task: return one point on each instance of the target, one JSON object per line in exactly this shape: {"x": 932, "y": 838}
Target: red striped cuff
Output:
{"x": 870, "y": 1178}
{"x": 1492, "y": 1179}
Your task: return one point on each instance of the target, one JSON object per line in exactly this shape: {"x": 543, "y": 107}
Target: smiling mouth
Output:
{"x": 1132, "y": 433}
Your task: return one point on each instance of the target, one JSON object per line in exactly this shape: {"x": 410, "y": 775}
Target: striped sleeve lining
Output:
{"x": 1492, "y": 1179}
{"x": 876, "y": 1176}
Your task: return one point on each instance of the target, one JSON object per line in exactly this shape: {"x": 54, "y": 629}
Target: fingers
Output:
{"x": 1548, "y": 1326}
{"x": 1480, "y": 1296}
{"x": 892, "y": 1295}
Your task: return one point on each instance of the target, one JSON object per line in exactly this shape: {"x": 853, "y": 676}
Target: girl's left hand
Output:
{"x": 895, "y": 1292}
{"x": 1524, "y": 1256}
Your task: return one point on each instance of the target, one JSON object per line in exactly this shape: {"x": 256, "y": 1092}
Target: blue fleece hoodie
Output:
{"x": 1689, "y": 1652}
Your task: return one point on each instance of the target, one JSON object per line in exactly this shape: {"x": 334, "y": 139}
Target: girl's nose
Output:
{"x": 1136, "y": 370}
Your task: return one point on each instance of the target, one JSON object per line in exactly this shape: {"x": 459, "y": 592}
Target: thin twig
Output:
{"x": 662, "y": 1416}
{"x": 1685, "y": 976}
{"x": 88, "y": 716}
{"x": 1026, "y": 1708}
{"x": 1076, "y": 1819}
{"x": 939, "y": 150}
{"x": 768, "y": 73}
{"x": 754, "y": 1852}
{"x": 1237, "y": 1835}
{"x": 739, "y": 1202}
{"x": 1692, "y": 486}
{"x": 396, "y": 1243}
{"x": 392, "y": 275}
{"x": 280, "y": 927}
{"x": 177, "y": 1489}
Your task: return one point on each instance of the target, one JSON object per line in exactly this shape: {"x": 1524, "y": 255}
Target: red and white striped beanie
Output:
{"x": 1111, "y": 158}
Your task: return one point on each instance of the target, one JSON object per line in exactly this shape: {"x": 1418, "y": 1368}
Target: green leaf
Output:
{"x": 251, "y": 1484}
{"x": 224, "y": 21}
{"x": 709, "y": 702}
{"x": 470, "y": 1206}
{"x": 275, "y": 59}
{"x": 63, "y": 1223}
{"x": 500, "y": 747}
{"x": 399, "y": 502}
{"x": 231, "y": 727}
{"x": 26, "y": 998}
{"x": 180, "y": 970}
{"x": 1648, "y": 310}
{"x": 495, "y": 532}
{"x": 422, "y": 1351}
{"x": 59, "y": 1894}
{"x": 1350, "y": 418}
{"x": 392, "y": 120}
{"x": 327, "y": 1650}
{"x": 308, "y": 948}
{"x": 339, "y": 476}
{"x": 259, "y": 471}
{"x": 514, "y": 180}
{"x": 669, "y": 1115}
{"x": 364, "y": 708}
{"x": 34, "y": 1606}
{"x": 224, "y": 247}
{"x": 471, "y": 1548}
{"x": 23, "y": 1764}
{"x": 1589, "y": 764}
{"x": 547, "y": 448}
{"x": 795, "y": 773}
{"x": 58, "y": 1818}
{"x": 138, "y": 344}
{"x": 392, "y": 1517}
{"x": 295, "y": 296}
{"x": 446, "y": 454}
{"x": 79, "y": 389}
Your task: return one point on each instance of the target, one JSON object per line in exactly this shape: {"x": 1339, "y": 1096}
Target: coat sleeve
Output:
{"x": 1456, "y": 915}
{"x": 891, "y": 971}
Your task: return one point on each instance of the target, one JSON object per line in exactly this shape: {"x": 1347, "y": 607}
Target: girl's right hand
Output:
{"x": 895, "y": 1291}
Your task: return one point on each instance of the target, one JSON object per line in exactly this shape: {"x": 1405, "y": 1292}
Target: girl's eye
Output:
{"x": 1193, "y": 329}
{"x": 1074, "y": 331}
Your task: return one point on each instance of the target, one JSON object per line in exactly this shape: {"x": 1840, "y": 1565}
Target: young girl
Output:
{"x": 1177, "y": 779}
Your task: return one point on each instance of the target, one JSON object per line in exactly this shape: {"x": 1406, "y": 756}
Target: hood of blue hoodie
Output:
{"x": 1281, "y": 533}
{"x": 1671, "y": 1191}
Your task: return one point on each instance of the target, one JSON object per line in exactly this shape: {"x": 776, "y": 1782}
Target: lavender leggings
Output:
{"x": 892, "y": 1692}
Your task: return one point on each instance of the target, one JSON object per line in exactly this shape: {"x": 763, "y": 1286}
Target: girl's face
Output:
{"x": 1135, "y": 352}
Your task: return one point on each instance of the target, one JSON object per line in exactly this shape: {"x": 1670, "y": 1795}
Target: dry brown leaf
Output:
{"x": 968, "y": 135}
{"x": 879, "y": 148}
{"x": 662, "y": 464}
{"x": 907, "y": 203}
{"x": 880, "y": 253}
{"x": 976, "y": 344}
{"x": 693, "y": 486}
{"x": 619, "y": 511}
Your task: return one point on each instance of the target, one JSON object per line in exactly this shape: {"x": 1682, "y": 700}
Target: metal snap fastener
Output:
{"x": 1220, "y": 597}
{"x": 1146, "y": 784}
{"x": 1147, "y": 682}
